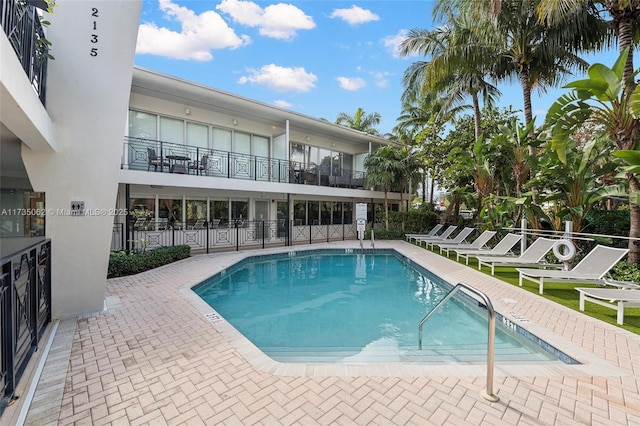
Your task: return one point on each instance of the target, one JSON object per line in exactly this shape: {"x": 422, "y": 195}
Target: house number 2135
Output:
{"x": 94, "y": 34}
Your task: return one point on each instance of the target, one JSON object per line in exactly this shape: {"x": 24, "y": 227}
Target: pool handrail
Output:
{"x": 486, "y": 393}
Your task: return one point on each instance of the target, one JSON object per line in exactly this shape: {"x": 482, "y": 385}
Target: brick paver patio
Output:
{"x": 154, "y": 357}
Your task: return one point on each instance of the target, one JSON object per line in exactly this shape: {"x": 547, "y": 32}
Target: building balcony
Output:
{"x": 165, "y": 157}
{"x": 23, "y": 28}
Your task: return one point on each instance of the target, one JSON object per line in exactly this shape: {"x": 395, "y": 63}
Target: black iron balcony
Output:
{"x": 23, "y": 28}
{"x": 166, "y": 157}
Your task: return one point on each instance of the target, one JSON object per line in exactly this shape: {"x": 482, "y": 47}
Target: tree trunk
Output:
{"x": 528, "y": 117}
{"x": 433, "y": 185}
{"x": 625, "y": 38}
{"x": 386, "y": 211}
{"x": 477, "y": 117}
{"x": 400, "y": 209}
{"x": 634, "y": 226}
{"x": 525, "y": 83}
{"x": 424, "y": 186}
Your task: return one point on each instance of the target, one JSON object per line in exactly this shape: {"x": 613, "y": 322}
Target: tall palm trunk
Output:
{"x": 433, "y": 187}
{"x": 526, "y": 95}
{"x": 477, "y": 117}
{"x": 386, "y": 210}
{"x": 634, "y": 226}
{"x": 424, "y": 186}
{"x": 625, "y": 37}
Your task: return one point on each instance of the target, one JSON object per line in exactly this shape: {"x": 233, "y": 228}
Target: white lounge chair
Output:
{"x": 530, "y": 257}
{"x": 590, "y": 270}
{"x": 445, "y": 234}
{"x": 462, "y": 235}
{"x": 478, "y": 243}
{"x": 502, "y": 248}
{"x": 431, "y": 233}
{"x": 613, "y": 298}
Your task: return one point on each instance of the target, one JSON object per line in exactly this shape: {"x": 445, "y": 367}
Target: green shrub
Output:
{"x": 381, "y": 234}
{"x": 624, "y": 271}
{"x": 609, "y": 222}
{"x": 415, "y": 221}
{"x": 122, "y": 264}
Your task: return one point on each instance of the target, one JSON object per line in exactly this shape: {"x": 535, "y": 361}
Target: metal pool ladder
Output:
{"x": 486, "y": 393}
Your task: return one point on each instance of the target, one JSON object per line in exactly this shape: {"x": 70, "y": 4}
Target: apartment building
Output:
{"x": 214, "y": 170}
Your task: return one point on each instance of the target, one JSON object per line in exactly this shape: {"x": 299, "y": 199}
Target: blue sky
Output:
{"x": 316, "y": 57}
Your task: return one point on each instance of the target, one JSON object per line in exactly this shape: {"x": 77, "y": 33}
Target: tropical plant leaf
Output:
{"x": 619, "y": 190}
{"x": 634, "y": 103}
{"x": 602, "y": 75}
{"x": 630, "y": 156}
{"x": 618, "y": 66}
{"x": 631, "y": 169}
{"x": 598, "y": 86}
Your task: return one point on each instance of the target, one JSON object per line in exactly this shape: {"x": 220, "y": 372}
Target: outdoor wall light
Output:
{"x": 235, "y": 122}
{"x": 308, "y": 138}
{"x": 187, "y": 111}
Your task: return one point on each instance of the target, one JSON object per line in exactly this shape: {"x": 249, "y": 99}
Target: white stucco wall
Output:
{"x": 87, "y": 98}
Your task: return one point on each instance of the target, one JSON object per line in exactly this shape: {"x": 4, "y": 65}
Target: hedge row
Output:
{"x": 122, "y": 264}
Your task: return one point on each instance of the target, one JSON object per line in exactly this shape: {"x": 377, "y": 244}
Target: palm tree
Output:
{"x": 605, "y": 100}
{"x": 536, "y": 54}
{"x": 625, "y": 22}
{"x": 360, "y": 121}
{"x": 385, "y": 168}
{"x": 425, "y": 118}
{"x": 457, "y": 69}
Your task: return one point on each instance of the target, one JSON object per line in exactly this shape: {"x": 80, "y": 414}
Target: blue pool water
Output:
{"x": 360, "y": 308}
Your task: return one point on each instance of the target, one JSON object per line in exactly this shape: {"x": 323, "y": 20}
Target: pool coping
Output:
{"x": 450, "y": 271}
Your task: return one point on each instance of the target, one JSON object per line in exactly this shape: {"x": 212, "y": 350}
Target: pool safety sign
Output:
{"x": 361, "y": 219}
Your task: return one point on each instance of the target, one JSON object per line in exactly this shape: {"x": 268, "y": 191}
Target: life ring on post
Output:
{"x": 564, "y": 250}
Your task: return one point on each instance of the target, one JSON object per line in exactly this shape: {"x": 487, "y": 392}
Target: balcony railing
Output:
{"x": 23, "y": 28}
{"x": 234, "y": 235}
{"x": 166, "y": 157}
{"x": 25, "y": 311}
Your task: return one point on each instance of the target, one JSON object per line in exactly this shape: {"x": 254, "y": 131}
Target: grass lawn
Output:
{"x": 562, "y": 293}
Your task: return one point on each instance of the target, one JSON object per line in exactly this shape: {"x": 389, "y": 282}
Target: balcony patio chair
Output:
{"x": 532, "y": 256}
{"x": 199, "y": 166}
{"x": 155, "y": 160}
{"x": 592, "y": 269}
{"x": 503, "y": 247}
{"x": 199, "y": 224}
{"x": 478, "y": 243}
{"x": 140, "y": 224}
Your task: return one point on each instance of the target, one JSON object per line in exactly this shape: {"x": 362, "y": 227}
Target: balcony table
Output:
{"x": 178, "y": 163}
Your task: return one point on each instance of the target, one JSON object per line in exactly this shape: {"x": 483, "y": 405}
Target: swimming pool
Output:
{"x": 334, "y": 306}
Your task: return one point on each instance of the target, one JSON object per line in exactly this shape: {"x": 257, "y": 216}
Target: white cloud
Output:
{"x": 282, "y": 104}
{"x": 355, "y": 15}
{"x": 198, "y": 36}
{"x": 381, "y": 78}
{"x": 392, "y": 42}
{"x": 351, "y": 84}
{"x": 281, "y": 79}
{"x": 281, "y": 21}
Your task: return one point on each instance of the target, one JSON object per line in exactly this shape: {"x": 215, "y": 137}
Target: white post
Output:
{"x": 568, "y": 230}
{"x": 523, "y": 232}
